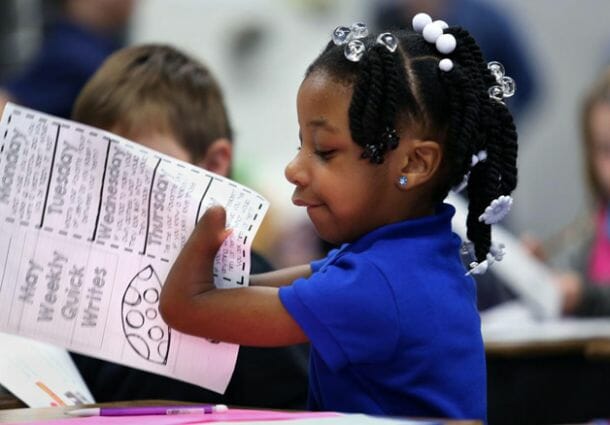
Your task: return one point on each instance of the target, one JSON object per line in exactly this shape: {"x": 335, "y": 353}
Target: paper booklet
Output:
{"x": 90, "y": 225}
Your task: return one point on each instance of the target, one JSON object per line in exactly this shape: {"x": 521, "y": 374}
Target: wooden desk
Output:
{"x": 8, "y": 401}
{"x": 548, "y": 382}
{"x": 544, "y": 372}
{"x": 591, "y": 348}
{"x": 48, "y": 413}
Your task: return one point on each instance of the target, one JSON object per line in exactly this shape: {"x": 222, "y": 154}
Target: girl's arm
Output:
{"x": 280, "y": 277}
{"x": 190, "y": 302}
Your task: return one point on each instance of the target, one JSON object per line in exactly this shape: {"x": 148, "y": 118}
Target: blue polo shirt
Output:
{"x": 393, "y": 324}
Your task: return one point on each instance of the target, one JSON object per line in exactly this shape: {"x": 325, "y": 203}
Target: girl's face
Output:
{"x": 345, "y": 196}
{"x": 600, "y": 144}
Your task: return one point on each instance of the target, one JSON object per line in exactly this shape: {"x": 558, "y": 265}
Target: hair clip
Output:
{"x": 343, "y": 35}
{"x": 480, "y": 156}
{"x": 389, "y": 138}
{"x": 350, "y": 37}
{"x": 446, "y": 43}
{"x": 432, "y": 31}
{"x": 354, "y": 50}
{"x": 497, "y": 210}
{"x": 496, "y": 253}
{"x": 506, "y": 86}
{"x": 476, "y": 158}
{"x": 458, "y": 188}
{"x": 420, "y": 21}
{"x": 388, "y": 40}
{"x": 359, "y": 30}
{"x": 373, "y": 152}
{"x": 445, "y": 65}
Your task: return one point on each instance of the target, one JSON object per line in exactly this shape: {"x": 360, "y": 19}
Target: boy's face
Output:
{"x": 345, "y": 196}
{"x": 161, "y": 142}
{"x": 600, "y": 139}
{"x": 217, "y": 157}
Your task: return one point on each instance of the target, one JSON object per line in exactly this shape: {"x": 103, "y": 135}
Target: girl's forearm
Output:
{"x": 192, "y": 273}
{"x": 191, "y": 304}
{"x": 282, "y": 277}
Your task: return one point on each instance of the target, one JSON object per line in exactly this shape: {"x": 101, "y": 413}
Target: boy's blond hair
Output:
{"x": 156, "y": 88}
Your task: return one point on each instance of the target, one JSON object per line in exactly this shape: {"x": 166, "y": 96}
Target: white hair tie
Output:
{"x": 432, "y": 31}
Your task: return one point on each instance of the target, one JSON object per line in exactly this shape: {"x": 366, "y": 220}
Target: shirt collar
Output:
{"x": 427, "y": 226}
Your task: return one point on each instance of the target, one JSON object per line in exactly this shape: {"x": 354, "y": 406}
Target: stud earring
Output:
{"x": 402, "y": 181}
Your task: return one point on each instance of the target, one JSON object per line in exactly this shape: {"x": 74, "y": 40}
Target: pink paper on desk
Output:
{"x": 232, "y": 415}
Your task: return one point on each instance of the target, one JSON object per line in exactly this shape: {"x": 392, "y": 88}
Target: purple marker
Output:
{"x": 149, "y": 410}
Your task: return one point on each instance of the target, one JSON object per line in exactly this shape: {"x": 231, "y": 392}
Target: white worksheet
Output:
{"x": 40, "y": 374}
{"x": 90, "y": 224}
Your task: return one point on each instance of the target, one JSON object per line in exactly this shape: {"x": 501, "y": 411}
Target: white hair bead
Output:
{"x": 432, "y": 32}
{"x": 420, "y": 21}
{"x": 445, "y": 65}
{"x": 446, "y": 43}
{"x": 443, "y": 24}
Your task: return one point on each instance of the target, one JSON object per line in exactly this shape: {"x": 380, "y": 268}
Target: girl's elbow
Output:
{"x": 169, "y": 310}
{"x": 178, "y": 314}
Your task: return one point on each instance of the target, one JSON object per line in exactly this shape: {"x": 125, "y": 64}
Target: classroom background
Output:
{"x": 259, "y": 49}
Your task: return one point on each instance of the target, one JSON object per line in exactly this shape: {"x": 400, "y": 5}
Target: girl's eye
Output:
{"x": 325, "y": 155}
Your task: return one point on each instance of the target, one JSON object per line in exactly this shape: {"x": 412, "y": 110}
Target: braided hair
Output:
{"x": 406, "y": 89}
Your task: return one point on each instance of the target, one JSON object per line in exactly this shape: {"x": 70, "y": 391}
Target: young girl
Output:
{"x": 388, "y": 124}
{"x": 585, "y": 254}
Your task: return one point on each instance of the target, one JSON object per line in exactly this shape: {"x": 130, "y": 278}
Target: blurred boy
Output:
{"x": 82, "y": 35}
{"x": 161, "y": 98}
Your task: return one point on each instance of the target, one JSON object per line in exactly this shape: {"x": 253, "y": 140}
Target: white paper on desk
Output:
{"x": 530, "y": 279}
{"x": 40, "y": 374}
{"x": 91, "y": 224}
{"x": 513, "y": 323}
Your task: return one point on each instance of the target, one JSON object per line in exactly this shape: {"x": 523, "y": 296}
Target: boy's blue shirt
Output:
{"x": 393, "y": 323}
{"x": 69, "y": 56}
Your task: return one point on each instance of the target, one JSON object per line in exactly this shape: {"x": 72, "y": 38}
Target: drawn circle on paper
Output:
{"x": 156, "y": 333}
{"x": 139, "y": 345}
{"x": 151, "y": 295}
{"x": 143, "y": 326}
{"x": 132, "y": 296}
{"x": 146, "y": 273}
{"x": 134, "y": 319}
{"x": 162, "y": 348}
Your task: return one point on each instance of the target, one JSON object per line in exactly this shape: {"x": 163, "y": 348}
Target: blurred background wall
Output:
{"x": 259, "y": 50}
{"x": 21, "y": 25}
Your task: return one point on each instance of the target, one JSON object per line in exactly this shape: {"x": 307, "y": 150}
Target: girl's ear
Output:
{"x": 421, "y": 161}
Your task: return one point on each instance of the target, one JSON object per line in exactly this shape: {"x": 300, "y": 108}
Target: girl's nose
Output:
{"x": 295, "y": 171}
